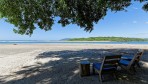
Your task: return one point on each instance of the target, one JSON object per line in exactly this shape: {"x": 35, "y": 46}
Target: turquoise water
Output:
{"x": 62, "y": 42}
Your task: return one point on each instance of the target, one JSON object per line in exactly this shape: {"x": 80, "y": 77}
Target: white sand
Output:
{"x": 57, "y": 63}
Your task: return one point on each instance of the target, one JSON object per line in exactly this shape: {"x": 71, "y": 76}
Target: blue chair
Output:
{"x": 127, "y": 57}
{"x": 131, "y": 61}
{"x": 107, "y": 66}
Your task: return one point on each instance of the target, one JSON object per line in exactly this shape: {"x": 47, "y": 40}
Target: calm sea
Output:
{"x": 64, "y": 42}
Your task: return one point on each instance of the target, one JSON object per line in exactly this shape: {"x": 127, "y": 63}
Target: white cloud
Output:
{"x": 135, "y": 8}
{"x": 135, "y": 22}
{"x": 146, "y": 22}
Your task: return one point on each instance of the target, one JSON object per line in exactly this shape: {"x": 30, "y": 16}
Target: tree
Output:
{"x": 26, "y": 14}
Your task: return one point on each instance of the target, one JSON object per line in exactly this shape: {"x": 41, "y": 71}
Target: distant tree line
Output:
{"x": 108, "y": 39}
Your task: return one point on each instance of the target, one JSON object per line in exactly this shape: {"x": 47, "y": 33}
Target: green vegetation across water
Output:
{"x": 108, "y": 39}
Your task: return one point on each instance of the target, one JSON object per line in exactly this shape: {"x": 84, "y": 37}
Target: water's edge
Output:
{"x": 68, "y": 42}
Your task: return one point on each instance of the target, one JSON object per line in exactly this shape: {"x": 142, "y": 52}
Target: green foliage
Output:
{"x": 107, "y": 39}
{"x": 26, "y": 14}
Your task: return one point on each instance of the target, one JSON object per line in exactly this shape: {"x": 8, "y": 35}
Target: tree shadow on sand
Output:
{"x": 62, "y": 67}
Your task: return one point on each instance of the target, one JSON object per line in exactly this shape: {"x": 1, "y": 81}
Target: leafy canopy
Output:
{"x": 26, "y": 14}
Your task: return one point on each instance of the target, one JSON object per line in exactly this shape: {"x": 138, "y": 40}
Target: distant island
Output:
{"x": 119, "y": 39}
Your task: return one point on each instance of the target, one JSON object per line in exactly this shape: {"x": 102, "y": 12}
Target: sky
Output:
{"x": 133, "y": 23}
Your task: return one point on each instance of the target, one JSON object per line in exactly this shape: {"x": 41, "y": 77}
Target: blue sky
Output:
{"x": 133, "y": 23}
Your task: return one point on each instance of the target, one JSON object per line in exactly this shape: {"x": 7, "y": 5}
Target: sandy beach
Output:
{"x": 59, "y": 63}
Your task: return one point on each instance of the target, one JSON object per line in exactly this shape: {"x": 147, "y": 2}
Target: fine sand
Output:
{"x": 59, "y": 63}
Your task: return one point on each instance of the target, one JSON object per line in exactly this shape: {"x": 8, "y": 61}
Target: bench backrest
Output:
{"x": 136, "y": 58}
{"x": 110, "y": 63}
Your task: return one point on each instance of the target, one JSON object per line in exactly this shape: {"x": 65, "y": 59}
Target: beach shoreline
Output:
{"x": 43, "y": 63}
{"x": 75, "y": 46}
